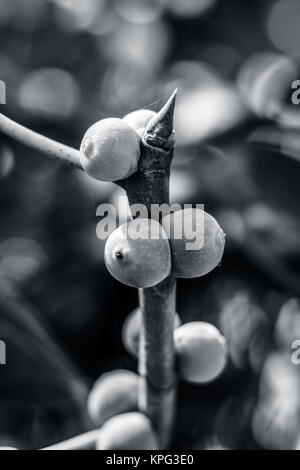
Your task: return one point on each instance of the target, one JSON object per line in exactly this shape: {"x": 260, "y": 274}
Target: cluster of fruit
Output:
{"x": 110, "y": 151}
{"x": 113, "y": 400}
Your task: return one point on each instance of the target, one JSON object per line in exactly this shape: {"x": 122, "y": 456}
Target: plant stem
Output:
{"x": 157, "y": 392}
{"x": 43, "y": 144}
{"x": 150, "y": 185}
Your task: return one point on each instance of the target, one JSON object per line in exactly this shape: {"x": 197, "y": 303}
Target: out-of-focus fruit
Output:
{"x": 138, "y": 253}
{"x": 132, "y": 329}
{"x": 197, "y": 242}
{"x": 140, "y": 118}
{"x": 110, "y": 150}
{"x": 276, "y": 420}
{"x": 264, "y": 79}
{"x": 201, "y": 352}
{"x": 129, "y": 431}
{"x": 113, "y": 393}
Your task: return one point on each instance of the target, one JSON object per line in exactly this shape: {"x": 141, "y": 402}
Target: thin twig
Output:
{"x": 53, "y": 149}
{"x": 150, "y": 185}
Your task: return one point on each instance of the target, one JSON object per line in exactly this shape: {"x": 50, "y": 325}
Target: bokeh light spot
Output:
{"x": 283, "y": 25}
{"x": 49, "y": 92}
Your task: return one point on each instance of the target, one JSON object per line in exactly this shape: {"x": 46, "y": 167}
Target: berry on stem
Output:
{"x": 197, "y": 242}
{"x": 201, "y": 352}
{"x": 110, "y": 150}
{"x": 139, "y": 118}
{"x": 138, "y": 253}
{"x": 132, "y": 329}
{"x": 113, "y": 393}
{"x": 129, "y": 431}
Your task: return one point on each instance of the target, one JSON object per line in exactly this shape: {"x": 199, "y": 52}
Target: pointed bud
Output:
{"x": 160, "y": 127}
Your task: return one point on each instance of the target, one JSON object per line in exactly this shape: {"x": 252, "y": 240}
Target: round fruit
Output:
{"x": 201, "y": 352}
{"x": 129, "y": 431}
{"x": 139, "y": 118}
{"x": 138, "y": 253}
{"x": 132, "y": 329}
{"x": 114, "y": 393}
{"x": 197, "y": 242}
{"x": 110, "y": 150}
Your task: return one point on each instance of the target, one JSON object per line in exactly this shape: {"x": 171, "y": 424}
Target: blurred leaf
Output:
{"x": 38, "y": 376}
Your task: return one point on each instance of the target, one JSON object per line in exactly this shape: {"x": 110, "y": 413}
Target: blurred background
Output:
{"x": 69, "y": 63}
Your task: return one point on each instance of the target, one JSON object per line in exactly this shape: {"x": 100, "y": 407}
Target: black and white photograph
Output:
{"x": 150, "y": 228}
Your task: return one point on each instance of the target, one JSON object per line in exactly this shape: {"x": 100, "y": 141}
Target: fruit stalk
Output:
{"x": 50, "y": 147}
{"x": 150, "y": 185}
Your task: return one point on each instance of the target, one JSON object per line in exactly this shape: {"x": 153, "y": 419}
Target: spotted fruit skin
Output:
{"x": 201, "y": 352}
{"x": 139, "y": 118}
{"x": 142, "y": 262}
{"x": 113, "y": 393}
{"x": 110, "y": 150}
{"x": 128, "y": 431}
{"x": 132, "y": 329}
{"x": 206, "y": 254}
